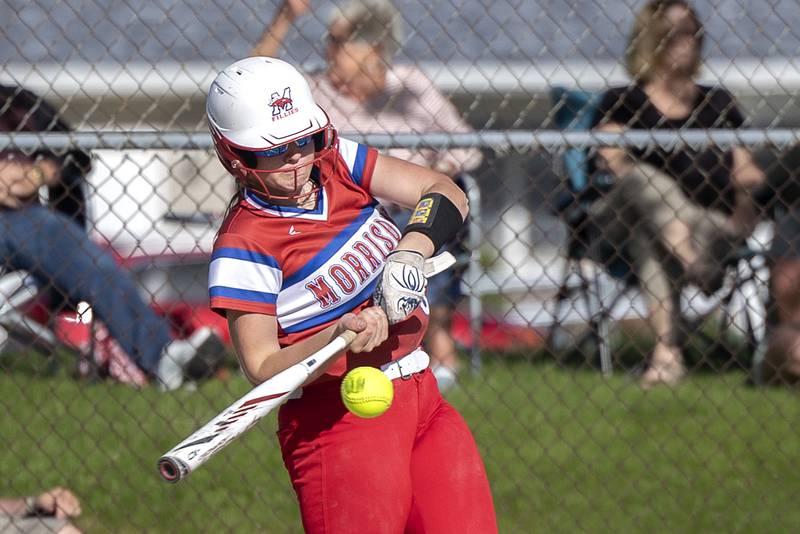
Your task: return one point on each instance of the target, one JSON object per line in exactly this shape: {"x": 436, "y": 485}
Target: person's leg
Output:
{"x": 666, "y": 364}
{"x": 59, "y": 253}
{"x": 620, "y": 231}
{"x": 451, "y": 491}
{"x": 701, "y": 239}
{"x": 694, "y": 244}
{"x": 443, "y": 293}
{"x": 350, "y": 474}
{"x": 439, "y": 343}
{"x": 782, "y": 358}
{"x": 666, "y": 208}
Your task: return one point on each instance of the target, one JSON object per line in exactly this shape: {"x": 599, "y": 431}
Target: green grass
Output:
{"x": 566, "y": 451}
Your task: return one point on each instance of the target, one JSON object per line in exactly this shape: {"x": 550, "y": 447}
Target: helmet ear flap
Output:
{"x": 247, "y": 158}
{"x": 232, "y": 159}
{"x": 325, "y": 138}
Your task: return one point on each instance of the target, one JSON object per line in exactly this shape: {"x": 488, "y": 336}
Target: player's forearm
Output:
{"x": 291, "y": 355}
{"x": 425, "y": 244}
{"x": 14, "y": 507}
{"x": 453, "y": 193}
{"x": 417, "y": 242}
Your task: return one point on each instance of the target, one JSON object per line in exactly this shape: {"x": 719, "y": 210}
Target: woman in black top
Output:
{"x": 676, "y": 211}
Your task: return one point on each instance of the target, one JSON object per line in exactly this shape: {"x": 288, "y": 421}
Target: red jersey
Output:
{"x": 308, "y": 267}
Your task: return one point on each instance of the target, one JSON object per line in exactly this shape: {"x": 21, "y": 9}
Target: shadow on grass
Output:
{"x": 65, "y": 363}
{"x": 31, "y": 362}
{"x": 706, "y": 351}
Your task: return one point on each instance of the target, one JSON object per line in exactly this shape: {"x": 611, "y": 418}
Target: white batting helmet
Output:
{"x": 260, "y": 103}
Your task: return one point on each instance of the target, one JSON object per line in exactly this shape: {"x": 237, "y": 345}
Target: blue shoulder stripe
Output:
{"x": 246, "y": 255}
{"x": 358, "y": 165}
{"x": 243, "y": 294}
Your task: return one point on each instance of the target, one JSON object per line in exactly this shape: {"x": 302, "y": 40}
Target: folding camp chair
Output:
{"x": 18, "y": 289}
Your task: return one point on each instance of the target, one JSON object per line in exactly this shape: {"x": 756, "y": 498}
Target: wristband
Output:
{"x": 436, "y": 217}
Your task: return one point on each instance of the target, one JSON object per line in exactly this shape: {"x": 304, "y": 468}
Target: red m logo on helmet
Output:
{"x": 281, "y": 103}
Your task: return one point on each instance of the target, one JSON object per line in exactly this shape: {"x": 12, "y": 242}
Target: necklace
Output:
{"x": 307, "y": 199}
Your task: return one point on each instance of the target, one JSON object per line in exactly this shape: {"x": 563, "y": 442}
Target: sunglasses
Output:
{"x": 279, "y": 150}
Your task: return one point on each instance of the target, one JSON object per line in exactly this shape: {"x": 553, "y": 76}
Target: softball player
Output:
{"x": 306, "y": 252}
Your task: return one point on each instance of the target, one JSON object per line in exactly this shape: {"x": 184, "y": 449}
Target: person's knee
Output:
{"x": 440, "y": 317}
{"x": 785, "y": 288}
{"x": 782, "y": 359}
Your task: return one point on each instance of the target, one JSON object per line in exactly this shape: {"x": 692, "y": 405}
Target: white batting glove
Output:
{"x": 402, "y": 286}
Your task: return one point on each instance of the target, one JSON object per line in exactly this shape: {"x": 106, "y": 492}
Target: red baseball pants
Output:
{"x": 414, "y": 469}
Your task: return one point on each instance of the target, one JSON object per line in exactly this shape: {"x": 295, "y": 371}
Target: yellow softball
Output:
{"x": 367, "y": 392}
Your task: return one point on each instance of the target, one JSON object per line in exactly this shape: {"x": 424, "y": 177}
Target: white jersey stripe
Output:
{"x": 297, "y": 304}
{"x": 336, "y": 312}
{"x": 242, "y": 274}
{"x": 349, "y": 150}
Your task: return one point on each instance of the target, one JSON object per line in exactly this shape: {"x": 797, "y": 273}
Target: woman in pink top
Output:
{"x": 364, "y": 92}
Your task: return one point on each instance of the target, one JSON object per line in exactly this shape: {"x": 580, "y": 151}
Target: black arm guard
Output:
{"x": 436, "y": 217}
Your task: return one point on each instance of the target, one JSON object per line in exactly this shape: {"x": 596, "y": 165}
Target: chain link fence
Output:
{"x": 622, "y": 318}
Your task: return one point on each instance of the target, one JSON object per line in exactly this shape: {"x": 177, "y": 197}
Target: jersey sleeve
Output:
{"x": 242, "y": 277}
{"x": 360, "y": 161}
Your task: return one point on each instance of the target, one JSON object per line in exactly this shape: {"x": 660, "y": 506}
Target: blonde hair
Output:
{"x": 375, "y": 22}
{"x": 645, "y": 52}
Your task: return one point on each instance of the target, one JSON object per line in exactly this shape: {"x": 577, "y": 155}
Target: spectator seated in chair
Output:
{"x": 51, "y": 244}
{"x": 674, "y": 216}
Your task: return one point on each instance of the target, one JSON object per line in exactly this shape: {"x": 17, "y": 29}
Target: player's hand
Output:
{"x": 58, "y": 502}
{"x": 401, "y": 288}
{"x": 11, "y": 175}
{"x": 371, "y": 326}
{"x": 20, "y": 181}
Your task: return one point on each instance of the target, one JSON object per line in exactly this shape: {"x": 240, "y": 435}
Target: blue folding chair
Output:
{"x": 575, "y": 110}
